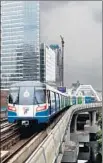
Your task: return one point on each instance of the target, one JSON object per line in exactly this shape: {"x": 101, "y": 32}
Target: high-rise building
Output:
{"x": 47, "y": 65}
{"x": 58, "y": 53}
{"x": 20, "y": 51}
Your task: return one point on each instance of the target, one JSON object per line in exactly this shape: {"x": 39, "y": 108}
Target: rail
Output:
{"x": 18, "y": 149}
{"x": 4, "y": 124}
{"x": 38, "y": 137}
{"x": 9, "y": 136}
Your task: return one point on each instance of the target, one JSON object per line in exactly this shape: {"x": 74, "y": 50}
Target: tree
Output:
{"x": 99, "y": 133}
{"x": 100, "y": 120}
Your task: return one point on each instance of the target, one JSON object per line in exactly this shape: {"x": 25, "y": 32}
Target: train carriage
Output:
{"x": 30, "y": 101}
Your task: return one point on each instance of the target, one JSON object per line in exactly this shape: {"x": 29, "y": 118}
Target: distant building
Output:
{"x": 47, "y": 65}
{"x": 74, "y": 86}
{"x": 20, "y": 51}
{"x": 58, "y": 52}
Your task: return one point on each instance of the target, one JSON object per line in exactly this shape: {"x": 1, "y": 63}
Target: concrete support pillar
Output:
{"x": 94, "y": 118}
{"x": 90, "y": 117}
{"x": 73, "y": 125}
{"x": 68, "y": 133}
{"x": 71, "y": 152}
{"x": 75, "y": 122}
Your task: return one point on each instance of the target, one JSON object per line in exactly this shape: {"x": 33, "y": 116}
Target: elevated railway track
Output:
{"x": 12, "y": 141}
{"x": 49, "y": 141}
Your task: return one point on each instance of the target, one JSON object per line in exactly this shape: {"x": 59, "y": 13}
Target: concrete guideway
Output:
{"x": 52, "y": 148}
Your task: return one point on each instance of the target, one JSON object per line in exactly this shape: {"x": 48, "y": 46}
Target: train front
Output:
{"x": 27, "y": 105}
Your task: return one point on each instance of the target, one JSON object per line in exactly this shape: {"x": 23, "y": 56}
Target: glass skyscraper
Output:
{"x": 20, "y": 51}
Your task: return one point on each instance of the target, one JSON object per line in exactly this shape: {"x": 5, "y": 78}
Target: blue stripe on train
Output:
{"x": 88, "y": 99}
{"x": 73, "y": 100}
{"x": 42, "y": 116}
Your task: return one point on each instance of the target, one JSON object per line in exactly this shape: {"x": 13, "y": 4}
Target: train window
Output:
{"x": 57, "y": 100}
{"x": 10, "y": 99}
{"x": 63, "y": 101}
{"x": 48, "y": 96}
{"x": 14, "y": 96}
{"x": 40, "y": 95}
{"x": 52, "y": 96}
{"x": 66, "y": 101}
{"x": 26, "y": 95}
{"x": 60, "y": 101}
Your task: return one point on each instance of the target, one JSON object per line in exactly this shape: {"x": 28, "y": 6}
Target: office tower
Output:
{"x": 58, "y": 53}
{"x": 20, "y": 51}
{"x": 47, "y": 65}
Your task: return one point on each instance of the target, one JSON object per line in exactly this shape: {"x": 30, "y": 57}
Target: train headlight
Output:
{"x": 11, "y": 108}
{"x": 41, "y": 108}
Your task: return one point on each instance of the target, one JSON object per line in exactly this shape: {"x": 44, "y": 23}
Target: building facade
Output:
{"x": 20, "y": 47}
{"x": 58, "y": 53}
{"x": 47, "y": 65}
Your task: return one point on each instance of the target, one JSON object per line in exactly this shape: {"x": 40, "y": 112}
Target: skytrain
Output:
{"x": 33, "y": 101}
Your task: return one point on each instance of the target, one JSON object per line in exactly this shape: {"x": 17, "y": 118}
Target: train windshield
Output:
{"x": 26, "y": 95}
{"x": 31, "y": 96}
{"x": 14, "y": 96}
{"x": 39, "y": 96}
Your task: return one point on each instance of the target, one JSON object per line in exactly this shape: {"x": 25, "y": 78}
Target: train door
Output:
{"x": 60, "y": 102}
{"x": 49, "y": 101}
{"x": 64, "y": 101}
{"x": 57, "y": 102}
{"x": 53, "y": 102}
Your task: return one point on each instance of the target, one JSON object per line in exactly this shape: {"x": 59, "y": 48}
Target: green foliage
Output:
{"x": 99, "y": 158}
{"x": 99, "y": 133}
{"x": 100, "y": 119}
{"x": 99, "y": 148}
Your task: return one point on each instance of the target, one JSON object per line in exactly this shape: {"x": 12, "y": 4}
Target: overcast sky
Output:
{"x": 80, "y": 23}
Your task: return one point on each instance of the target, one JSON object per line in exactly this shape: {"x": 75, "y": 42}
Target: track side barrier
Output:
{"x": 52, "y": 148}
{"x": 48, "y": 151}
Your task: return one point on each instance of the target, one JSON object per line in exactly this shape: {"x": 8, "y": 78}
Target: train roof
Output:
{"x": 36, "y": 83}
{"x": 28, "y": 83}
{"x": 55, "y": 90}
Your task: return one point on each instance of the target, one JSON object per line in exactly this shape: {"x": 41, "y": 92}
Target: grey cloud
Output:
{"x": 96, "y": 9}
{"x": 98, "y": 16}
{"x": 83, "y": 40}
{"x": 49, "y": 5}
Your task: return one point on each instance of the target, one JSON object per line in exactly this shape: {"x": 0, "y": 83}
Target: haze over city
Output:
{"x": 80, "y": 23}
